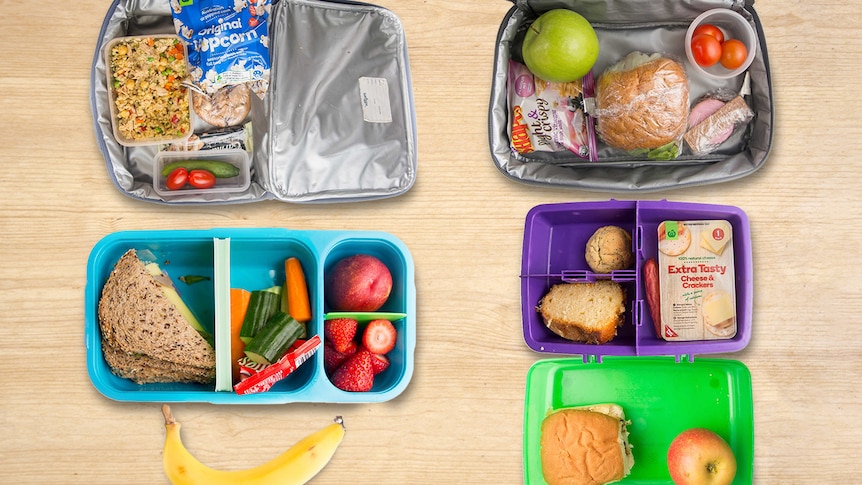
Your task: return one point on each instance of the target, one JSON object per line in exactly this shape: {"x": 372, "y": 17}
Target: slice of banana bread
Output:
{"x": 584, "y": 312}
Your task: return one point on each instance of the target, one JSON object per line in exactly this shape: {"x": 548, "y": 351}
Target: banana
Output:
{"x": 295, "y": 466}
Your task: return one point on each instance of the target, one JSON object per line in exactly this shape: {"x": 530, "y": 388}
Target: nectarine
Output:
{"x": 359, "y": 283}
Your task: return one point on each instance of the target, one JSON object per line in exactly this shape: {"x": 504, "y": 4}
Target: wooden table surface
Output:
{"x": 460, "y": 420}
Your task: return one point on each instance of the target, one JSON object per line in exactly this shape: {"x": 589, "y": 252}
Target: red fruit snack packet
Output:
{"x": 256, "y": 378}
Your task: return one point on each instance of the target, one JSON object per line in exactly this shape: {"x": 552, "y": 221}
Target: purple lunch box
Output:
{"x": 555, "y": 236}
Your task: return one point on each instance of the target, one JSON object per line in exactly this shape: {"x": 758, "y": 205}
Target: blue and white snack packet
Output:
{"x": 228, "y": 42}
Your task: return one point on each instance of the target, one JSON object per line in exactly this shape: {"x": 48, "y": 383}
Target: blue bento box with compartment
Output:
{"x": 256, "y": 261}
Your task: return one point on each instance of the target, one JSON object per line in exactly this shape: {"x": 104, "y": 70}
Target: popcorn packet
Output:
{"x": 228, "y": 42}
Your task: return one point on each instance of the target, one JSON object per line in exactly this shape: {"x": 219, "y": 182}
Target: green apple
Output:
{"x": 560, "y": 46}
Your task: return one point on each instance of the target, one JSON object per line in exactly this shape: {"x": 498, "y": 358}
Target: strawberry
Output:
{"x": 355, "y": 374}
{"x": 379, "y": 336}
{"x": 340, "y": 332}
{"x": 332, "y": 358}
{"x": 379, "y": 363}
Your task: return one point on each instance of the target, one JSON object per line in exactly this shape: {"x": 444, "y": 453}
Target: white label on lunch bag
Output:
{"x": 374, "y": 96}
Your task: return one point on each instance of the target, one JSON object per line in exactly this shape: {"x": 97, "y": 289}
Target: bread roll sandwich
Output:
{"x": 145, "y": 336}
{"x": 642, "y": 105}
{"x": 586, "y": 446}
{"x": 584, "y": 312}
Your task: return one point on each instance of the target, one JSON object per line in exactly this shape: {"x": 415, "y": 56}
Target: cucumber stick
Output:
{"x": 262, "y": 305}
{"x": 221, "y": 170}
{"x": 273, "y": 340}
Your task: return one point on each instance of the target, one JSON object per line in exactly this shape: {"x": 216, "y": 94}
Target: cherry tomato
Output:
{"x": 709, "y": 29}
{"x": 733, "y": 54}
{"x": 201, "y": 179}
{"x": 177, "y": 179}
{"x": 705, "y": 49}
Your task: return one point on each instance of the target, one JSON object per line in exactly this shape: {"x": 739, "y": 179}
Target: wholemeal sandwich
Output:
{"x": 584, "y": 312}
{"x": 586, "y": 446}
{"x": 145, "y": 336}
{"x": 642, "y": 105}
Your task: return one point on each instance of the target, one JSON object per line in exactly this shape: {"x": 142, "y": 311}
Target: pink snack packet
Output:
{"x": 546, "y": 116}
{"x": 256, "y": 377}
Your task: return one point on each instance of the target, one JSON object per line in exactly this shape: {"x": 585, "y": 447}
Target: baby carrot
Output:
{"x": 298, "y": 304}
{"x": 238, "y": 305}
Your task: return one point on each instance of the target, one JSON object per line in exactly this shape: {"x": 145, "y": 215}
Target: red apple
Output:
{"x": 699, "y": 456}
{"x": 359, "y": 283}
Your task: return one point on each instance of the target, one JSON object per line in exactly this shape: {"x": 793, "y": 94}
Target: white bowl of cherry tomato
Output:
{"x": 184, "y": 173}
{"x": 720, "y": 43}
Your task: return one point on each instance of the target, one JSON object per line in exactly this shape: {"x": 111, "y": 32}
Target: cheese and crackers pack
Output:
{"x": 696, "y": 277}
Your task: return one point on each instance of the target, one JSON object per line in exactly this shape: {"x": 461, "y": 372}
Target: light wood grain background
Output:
{"x": 460, "y": 419}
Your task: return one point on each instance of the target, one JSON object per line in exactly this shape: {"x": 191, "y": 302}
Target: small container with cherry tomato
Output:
{"x": 194, "y": 173}
{"x": 720, "y": 43}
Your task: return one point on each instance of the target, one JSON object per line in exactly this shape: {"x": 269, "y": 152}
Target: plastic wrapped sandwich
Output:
{"x": 642, "y": 105}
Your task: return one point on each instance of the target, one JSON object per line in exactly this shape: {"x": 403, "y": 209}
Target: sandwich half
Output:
{"x": 143, "y": 369}
{"x": 586, "y": 445}
{"x": 145, "y": 336}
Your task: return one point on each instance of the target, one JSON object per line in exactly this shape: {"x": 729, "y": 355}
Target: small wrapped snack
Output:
{"x": 228, "y": 106}
{"x": 546, "y": 116}
{"x": 255, "y": 378}
{"x": 642, "y": 105}
{"x": 713, "y": 121}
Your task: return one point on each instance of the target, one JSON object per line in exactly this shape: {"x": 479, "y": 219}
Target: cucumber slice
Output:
{"x": 262, "y": 305}
{"x": 273, "y": 340}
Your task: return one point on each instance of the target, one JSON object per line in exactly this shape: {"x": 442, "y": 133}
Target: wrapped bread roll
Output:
{"x": 642, "y": 103}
